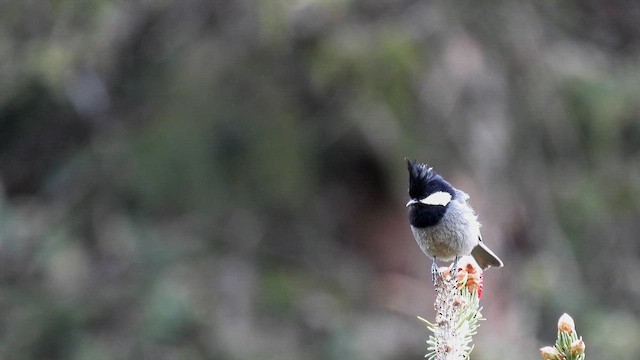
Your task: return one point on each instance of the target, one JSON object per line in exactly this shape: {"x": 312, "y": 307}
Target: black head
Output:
{"x": 423, "y": 182}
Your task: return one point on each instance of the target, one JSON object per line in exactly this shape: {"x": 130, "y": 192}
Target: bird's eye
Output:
{"x": 437, "y": 198}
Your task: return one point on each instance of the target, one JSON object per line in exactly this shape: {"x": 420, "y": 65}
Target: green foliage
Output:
{"x": 155, "y": 155}
{"x": 568, "y": 345}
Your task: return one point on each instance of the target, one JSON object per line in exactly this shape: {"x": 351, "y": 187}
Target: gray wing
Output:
{"x": 461, "y": 196}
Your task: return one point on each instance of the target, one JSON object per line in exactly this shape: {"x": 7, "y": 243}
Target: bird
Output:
{"x": 443, "y": 223}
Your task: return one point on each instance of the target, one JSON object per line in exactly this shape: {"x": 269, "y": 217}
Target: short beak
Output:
{"x": 411, "y": 202}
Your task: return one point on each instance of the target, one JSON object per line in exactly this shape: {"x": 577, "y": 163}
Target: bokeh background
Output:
{"x": 226, "y": 179}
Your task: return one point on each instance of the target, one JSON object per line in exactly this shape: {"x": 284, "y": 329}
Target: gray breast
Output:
{"x": 456, "y": 234}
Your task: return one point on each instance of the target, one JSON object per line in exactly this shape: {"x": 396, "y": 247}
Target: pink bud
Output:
{"x": 577, "y": 347}
{"x": 550, "y": 353}
{"x": 566, "y": 324}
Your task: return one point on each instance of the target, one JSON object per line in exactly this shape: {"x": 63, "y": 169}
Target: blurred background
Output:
{"x": 226, "y": 179}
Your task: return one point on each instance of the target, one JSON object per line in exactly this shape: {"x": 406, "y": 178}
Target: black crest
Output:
{"x": 424, "y": 181}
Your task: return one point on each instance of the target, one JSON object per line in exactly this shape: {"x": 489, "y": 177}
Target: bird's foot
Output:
{"x": 454, "y": 271}
{"x": 434, "y": 271}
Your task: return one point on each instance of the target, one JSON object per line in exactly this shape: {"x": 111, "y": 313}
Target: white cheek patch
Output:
{"x": 437, "y": 198}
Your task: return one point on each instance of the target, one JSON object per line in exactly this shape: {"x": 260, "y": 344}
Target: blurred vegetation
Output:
{"x": 225, "y": 179}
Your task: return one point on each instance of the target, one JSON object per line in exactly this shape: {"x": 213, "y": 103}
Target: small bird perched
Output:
{"x": 443, "y": 223}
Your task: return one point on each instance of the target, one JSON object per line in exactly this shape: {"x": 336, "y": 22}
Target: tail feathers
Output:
{"x": 485, "y": 257}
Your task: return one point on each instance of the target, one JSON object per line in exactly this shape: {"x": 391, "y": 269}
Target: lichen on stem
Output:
{"x": 458, "y": 312}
